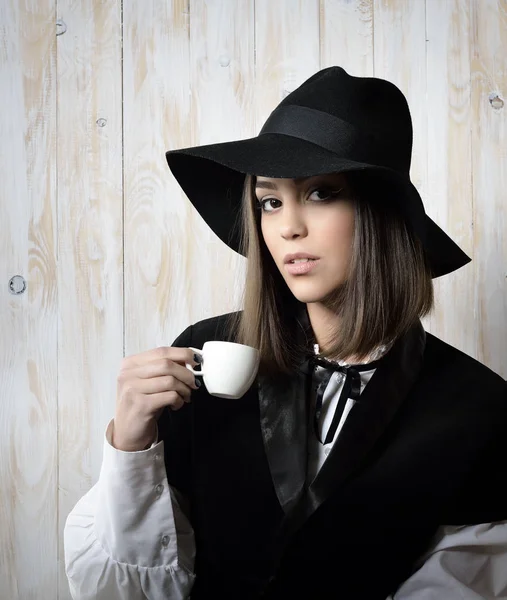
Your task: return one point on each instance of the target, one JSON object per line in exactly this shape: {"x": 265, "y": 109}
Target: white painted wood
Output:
{"x": 223, "y": 96}
{"x": 489, "y": 158}
{"x": 28, "y": 342}
{"x": 346, "y": 36}
{"x": 222, "y": 75}
{"x": 287, "y": 50}
{"x": 210, "y": 102}
{"x": 159, "y": 225}
{"x": 449, "y": 192}
{"x": 90, "y": 331}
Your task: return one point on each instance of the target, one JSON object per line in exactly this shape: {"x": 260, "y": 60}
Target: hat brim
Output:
{"x": 212, "y": 176}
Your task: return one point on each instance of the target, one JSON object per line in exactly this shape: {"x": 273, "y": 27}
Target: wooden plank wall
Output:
{"x": 114, "y": 258}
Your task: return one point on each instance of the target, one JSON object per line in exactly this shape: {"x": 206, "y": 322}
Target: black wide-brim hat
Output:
{"x": 333, "y": 122}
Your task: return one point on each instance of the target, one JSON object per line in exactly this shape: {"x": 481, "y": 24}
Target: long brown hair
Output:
{"x": 388, "y": 286}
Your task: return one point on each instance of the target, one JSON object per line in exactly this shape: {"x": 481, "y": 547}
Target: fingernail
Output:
{"x": 197, "y": 383}
{"x": 197, "y": 358}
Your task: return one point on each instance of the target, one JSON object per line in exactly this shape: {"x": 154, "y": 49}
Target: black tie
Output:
{"x": 351, "y": 389}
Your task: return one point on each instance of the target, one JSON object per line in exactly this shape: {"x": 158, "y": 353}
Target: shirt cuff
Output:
{"x": 134, "y": 521}
{"x": 109, "y": 437}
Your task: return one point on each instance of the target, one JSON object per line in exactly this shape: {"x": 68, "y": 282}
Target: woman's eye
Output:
{"x": 326, "y": 193}
{"x": 321, "y": 195}
{"x": 262, "y": 204}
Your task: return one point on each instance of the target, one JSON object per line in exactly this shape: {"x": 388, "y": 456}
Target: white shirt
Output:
{"x": 128, "y": 536}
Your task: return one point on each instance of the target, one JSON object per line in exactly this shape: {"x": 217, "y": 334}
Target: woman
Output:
{"x": 367, "y": 461}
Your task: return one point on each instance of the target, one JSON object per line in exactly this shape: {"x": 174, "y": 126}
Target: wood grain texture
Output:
{"x": 170, "y": 105}
{"x": 223, "y": 102}
{"x": 90, "y": 235}
{"x": 159, "y": 232}
{"x": 489, "y": 159}
{"x": 449, "y": 192}
{"x": 287, "y": 50}
{"x": 28, "y": 356}
{"x": 346, "y": 36}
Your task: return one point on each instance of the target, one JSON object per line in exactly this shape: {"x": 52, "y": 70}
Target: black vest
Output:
{"x": 424, "y": 446}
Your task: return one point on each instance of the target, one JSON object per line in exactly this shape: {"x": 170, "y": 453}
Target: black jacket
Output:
{"x": 424, "y": 446}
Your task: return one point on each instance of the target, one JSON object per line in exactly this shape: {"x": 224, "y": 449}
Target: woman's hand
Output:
{"x": 147, "y": 383}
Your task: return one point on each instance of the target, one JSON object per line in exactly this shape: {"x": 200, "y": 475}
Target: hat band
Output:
{"x": 325, "y": 130}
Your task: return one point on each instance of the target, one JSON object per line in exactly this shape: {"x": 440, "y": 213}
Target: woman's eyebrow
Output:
{"x": 268, "y": 185}
{"x": 265, "y": 184}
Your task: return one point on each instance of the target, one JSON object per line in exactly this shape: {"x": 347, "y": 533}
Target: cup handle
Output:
{"x": 189, "y": 366}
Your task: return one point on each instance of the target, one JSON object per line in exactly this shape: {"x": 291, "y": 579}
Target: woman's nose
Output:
{"x": 292, "y": 224}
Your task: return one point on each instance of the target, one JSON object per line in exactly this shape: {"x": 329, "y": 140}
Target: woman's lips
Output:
{"x": 301, "y": 268}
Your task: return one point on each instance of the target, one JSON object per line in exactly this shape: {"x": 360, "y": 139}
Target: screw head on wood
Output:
{"x": 496, "y": 101}
{"x": 17, "y": 285}
{"x": 61, "y": 27}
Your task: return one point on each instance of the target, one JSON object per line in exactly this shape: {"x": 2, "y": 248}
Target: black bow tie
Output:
{"x": 351, "y": 389}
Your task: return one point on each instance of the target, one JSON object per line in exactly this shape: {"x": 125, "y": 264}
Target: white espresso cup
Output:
{"x": 228, "y": 369}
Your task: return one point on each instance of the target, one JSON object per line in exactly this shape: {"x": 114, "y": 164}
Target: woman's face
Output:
{"x": 313, "y": 215}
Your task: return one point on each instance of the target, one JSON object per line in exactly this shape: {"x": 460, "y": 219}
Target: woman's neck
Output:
{"x": 323, "y": 321}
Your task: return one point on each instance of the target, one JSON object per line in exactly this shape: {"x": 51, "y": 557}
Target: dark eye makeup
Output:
{"x": 329, "y": 194}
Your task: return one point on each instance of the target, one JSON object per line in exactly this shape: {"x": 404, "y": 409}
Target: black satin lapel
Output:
{"x": 283, "y": 416}
{"x": 364, "y": 425}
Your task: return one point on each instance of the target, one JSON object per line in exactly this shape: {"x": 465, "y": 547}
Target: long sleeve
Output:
{"x": 465, "y": 563}
{"x": 128, "y": 537}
